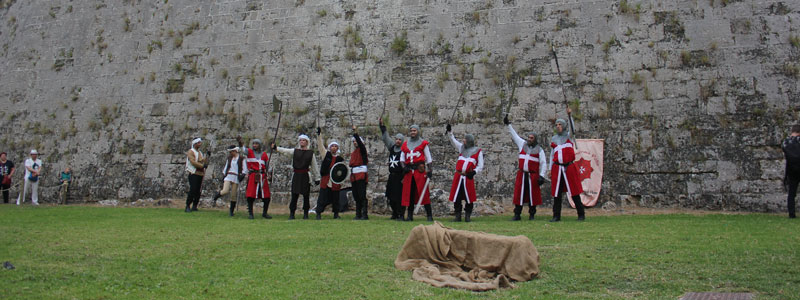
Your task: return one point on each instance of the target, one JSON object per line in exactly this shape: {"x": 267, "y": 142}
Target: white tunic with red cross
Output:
{"x": 530, "y": 167}
{"x": 526, "y": 186}
{"x": 460, "y": 179}
{"x": 563, "y": 172}
{"x": 257, "y": 184}
{"x": 417, "y": 156}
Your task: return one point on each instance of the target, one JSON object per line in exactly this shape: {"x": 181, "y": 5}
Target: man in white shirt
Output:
{"x": 234, "y": 171}
{"x": 32, "y": 167}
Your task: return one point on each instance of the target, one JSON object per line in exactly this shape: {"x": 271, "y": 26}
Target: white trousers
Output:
{"x": 34, "y": 192}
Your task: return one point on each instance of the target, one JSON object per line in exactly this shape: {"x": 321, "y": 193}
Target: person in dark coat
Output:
{"x": 394, "y": 185}
{"x": 328, "y": 191}
{"x": 791, "y": 149}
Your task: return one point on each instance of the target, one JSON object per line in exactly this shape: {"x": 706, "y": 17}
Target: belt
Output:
{"x": 359, "y": 169}
{"x": 256, "y": 171}
{"x": 233, "y": 173}
{"x": 301, "y": 170}
{"x": 563, "y": 165}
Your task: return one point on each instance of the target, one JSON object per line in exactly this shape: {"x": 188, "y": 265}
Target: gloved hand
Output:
{"x": 319, "y": 130}
{"x": 505, "y": 120}
{"x": 449, "y": 128}
{"x": 540, "y": 180}
{"x": 430, "y": 174}
{"x": 406, "y": 169}
{"x": 274, "y": 147}
{"x": 470, "y": 174}
{"x": 316, "y": 182}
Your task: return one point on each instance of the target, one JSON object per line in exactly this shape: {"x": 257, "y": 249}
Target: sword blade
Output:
{"x": 422, "y": 195}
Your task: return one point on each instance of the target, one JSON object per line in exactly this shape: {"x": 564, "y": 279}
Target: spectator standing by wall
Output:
{"x": 6, "y": 173}
{"x": 32, "y": 167}
{"x": 791, "y": 149}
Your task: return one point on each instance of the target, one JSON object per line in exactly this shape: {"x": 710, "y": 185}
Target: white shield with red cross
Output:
{"x": 589, "y": 160}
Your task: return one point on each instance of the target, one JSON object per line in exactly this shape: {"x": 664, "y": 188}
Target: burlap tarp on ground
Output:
{"x": 445, "y": 257}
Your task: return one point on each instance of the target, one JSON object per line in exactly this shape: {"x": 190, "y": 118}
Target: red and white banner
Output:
{"x": 589, "y": 160}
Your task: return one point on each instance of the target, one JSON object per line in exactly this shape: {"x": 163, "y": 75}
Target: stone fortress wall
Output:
{"x": 692, "y": 97}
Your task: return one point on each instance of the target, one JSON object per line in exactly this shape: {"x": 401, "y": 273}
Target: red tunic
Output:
{"x": 564, "y": 154}
{"x": 417, "y": 156}
{"x": 533, "y": 194}
{"x": 463, "y": 166}
{"x": 257, "y": 169}
{"x": 358, "y": 167}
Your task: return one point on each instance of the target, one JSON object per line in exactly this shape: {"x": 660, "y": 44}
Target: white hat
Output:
{"x": 333, "y": 142}
{"x": 33, "y": 151}
{"x": 304, "y": 137}
{"x": 197, "y": 140}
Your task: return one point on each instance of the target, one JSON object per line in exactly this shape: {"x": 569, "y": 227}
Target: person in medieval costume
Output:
{"x": 358, "y": 176}
{"x": 563, "y": 173}
{"x": 328, "y": 191}
{"x": 417, "y": 159}
{"x": 196, "y": 164}
{"x": 303, "y": 162}
{"x": 394, "y": 185}
{"x": 470, "y": 162}
{"x": 233, "y": 173}
{"x": 257, "y": 176}
{"x": 531, "y": 171}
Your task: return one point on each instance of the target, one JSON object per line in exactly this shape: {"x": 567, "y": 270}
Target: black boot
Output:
{"x": 429, "y": 212}
{"x": 187, "y": 208}
{"x": 305, "y": 214}
{"x": 291, "y": 215}
{"x": 358, "y": 210}
{"x": 579, "y": 207}
{"x": 250, "y": 208}
{"x": 364, "y": 207}
{"x": 233, "y": 206}
{"x": 517, "y": 212}
{"x": 556, "y": 209}
{"x": 469, "y": 213}
{"x": 531, "y": 212}
{"x": 216, "y": 196}
{"x": 410, "y": 210}
{"x": 457, "y": 209}
{"x": 194, "y": 207}
{"x": 264, "y": 214}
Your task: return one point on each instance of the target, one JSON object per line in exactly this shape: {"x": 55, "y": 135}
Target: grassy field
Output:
{"x": 135, "y": 253}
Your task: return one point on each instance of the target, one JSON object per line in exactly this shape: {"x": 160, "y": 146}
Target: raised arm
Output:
{"x": 454, "y": 141}
{"x": 361, "y": 148}
{"x": 321, "y": 143}
{"x": 387, "y": 140}
{"x": 514, "y": 136}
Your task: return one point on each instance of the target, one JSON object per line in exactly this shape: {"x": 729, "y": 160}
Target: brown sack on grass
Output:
{"x": 445, "y": 257}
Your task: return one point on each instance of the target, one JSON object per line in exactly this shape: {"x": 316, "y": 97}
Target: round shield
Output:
{"x": 339, "y": 172}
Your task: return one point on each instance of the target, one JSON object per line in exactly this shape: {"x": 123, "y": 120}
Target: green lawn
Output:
{"x": 135, "y": 253}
